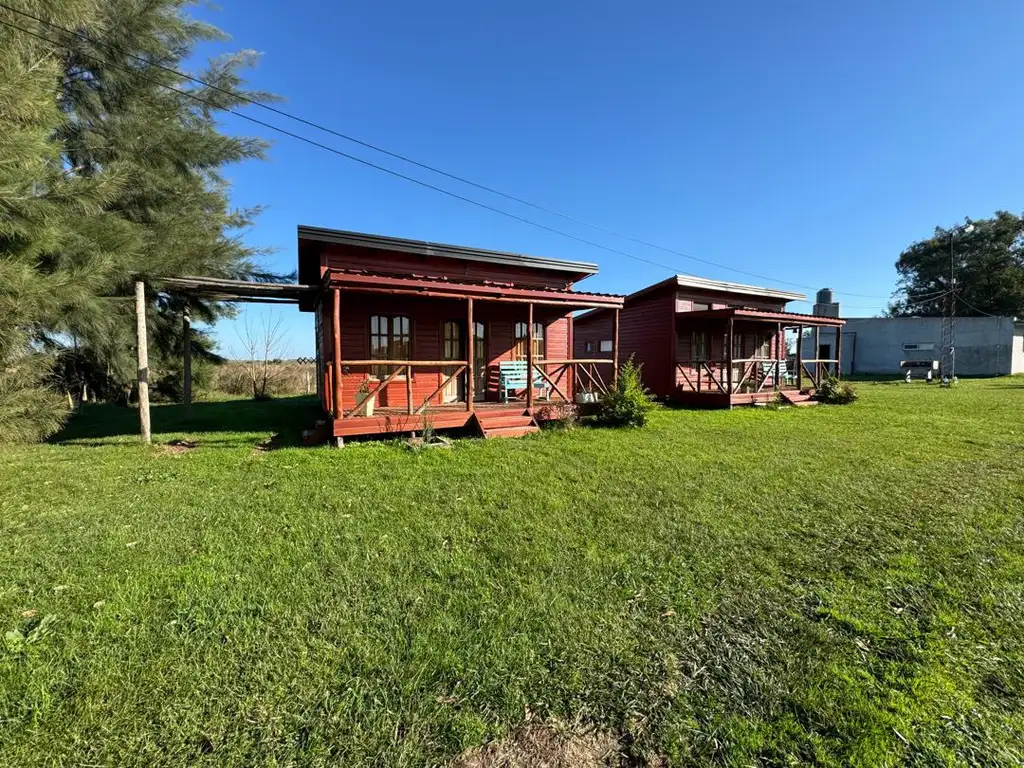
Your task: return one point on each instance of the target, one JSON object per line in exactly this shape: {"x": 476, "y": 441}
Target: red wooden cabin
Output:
{"x": 713, "y": 344}
{"x": 394, "y": 318}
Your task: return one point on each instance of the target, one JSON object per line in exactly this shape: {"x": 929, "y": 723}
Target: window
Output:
{"x": 699, "y": 306}
{"x": 606, "y": 345}
{"x": 700, "y": 346}
{"x": 588, "y": 346}
{"x": 764, "y": 346}
{"x": 739, "y": 344}
{"x": 519, "y": 352}
{"x": 389, "y": 340}
{"x": 920, "y": 347}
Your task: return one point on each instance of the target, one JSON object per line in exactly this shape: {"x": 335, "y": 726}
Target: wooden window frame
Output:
{"x": 705, "y": 342}
{"x": 540, "y": 338}
{"x": 378, "y": 371}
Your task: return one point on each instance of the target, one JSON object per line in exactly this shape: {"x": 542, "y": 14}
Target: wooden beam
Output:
{"x": 336, "y": 354}
{"x": 143, "y": 356}
{"x": 470, "y": 355}
{"x": 839, "y": 352}
{"x": 373, "y": 392}
{"x": 729, "y": 336}
{"x": 615, "y": 346}
{"x": 529, "y": 355}
{"x": 554, "y": 386}
{"x": 799, "y": 358}
{"x": 571, "y": 385}
{"x": 408, "y": 391}
{"x": 186, "y": 347}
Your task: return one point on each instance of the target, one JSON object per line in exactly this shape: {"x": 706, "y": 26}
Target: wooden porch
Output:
{"x": 716, "y": 374}
{"x": 491, "y": 337}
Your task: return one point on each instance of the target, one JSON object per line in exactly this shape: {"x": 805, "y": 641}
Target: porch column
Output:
{"x": 728, "y": 358}
{"x": 817, "y": 355}
{"x": 570, "y": 370}
{"x": 143, "y": 355}
{"x": 470, "y": 354}
{"x": 780, "y": 354}
{"x": 186, "y": 348}
{"x": 799, "y": 358}
{"x": 336, "y": 354}
{"x": 839, "y": 351}
{"x": 615, "y": 345}
{"x": 529, "y": 355}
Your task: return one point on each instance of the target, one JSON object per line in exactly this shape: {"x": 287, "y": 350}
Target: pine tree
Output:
{"x": 112, "y": 171}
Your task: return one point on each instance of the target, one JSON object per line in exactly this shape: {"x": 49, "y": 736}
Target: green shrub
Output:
{"x": 627, "y": 403}
{"x": 835, "y": 392}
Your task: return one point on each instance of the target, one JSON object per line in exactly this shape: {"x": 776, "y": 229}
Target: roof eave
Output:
{"x": 444, "y": 250}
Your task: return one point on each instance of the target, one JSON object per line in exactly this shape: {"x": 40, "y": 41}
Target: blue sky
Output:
{"x": 808, "y": 142}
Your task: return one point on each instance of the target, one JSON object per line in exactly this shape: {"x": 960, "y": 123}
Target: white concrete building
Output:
{"x": 985, "y": 346}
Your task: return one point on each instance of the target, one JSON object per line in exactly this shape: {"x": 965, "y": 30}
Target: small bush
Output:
{"x": 835, "y": 392}
{"x": 627, "y": 403}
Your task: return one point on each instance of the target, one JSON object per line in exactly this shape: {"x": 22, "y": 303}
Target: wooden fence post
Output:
{"x": 143, "y": 356}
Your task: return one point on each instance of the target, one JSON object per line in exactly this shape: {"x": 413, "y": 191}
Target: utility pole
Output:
{"x": 947, "y": 364}
{"x": 947, "y": 361}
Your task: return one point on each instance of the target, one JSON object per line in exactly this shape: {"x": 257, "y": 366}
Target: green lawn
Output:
{"x": 836, "y": 585}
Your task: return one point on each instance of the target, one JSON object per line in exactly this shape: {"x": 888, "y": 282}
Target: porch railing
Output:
{"x": 399, "y": 367}
{"x": 712, "y": 376}
{"x": 822, "y": 367}
{"x": 585, "y": 376}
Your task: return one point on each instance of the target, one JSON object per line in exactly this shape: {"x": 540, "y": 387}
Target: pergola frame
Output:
{"x": 217, "y": 289}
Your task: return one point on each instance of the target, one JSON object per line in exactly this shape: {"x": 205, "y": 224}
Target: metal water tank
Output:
{"x": 825, "y": 296}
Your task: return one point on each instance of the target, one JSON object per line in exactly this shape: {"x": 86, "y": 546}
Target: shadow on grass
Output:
{"x": 283, "y": 418}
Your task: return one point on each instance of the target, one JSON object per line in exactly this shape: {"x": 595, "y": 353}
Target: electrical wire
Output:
{"x": 433, "y": 169}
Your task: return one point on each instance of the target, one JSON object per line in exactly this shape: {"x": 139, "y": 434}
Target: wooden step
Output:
{"x": 506, "y": 420}
{"x": 505, "y": 424}
{"x": 527, "y": 429}
{"x": 798, "y": 398}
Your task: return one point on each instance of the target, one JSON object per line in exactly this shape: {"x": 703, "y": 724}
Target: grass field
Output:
{"x": 837, "y": 585}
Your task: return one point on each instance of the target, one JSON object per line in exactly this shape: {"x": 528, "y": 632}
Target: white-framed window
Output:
{"x": 588, "y": 346}
{"x": 699, "y": 306}
{"x": 606, "y": 345}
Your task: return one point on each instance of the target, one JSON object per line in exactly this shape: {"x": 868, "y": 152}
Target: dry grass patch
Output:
{"x": 547, "y": 745}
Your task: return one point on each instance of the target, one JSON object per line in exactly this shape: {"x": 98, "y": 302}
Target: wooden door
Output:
{"x": 479, "y": 361}
{"x": 452, "y": 349}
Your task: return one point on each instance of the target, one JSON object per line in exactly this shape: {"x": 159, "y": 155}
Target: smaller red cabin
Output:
{"x": 714, "y": 344}
{"x": 412, "y": 334}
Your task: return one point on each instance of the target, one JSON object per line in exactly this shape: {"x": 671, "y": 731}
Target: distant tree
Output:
{"x": 263, "y": 347}
{"x": 989, "y": 267}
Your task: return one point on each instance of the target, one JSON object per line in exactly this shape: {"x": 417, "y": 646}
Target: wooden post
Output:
{"x": 571, "y": 370}
{"x": 143, "y": 354}
{"x": 470, "y": 355}
{"x": 799, "y": 358}
{"x": 817, "y": 355}
{"x": 408, "y": 390}
{"x": 336, "y": 354}
{"x": 728, "y": 358}
{"x": 839, "y": 351}
{"x": 529, "y": 355}
{"x": 615, "y": 345}
{"x": 186, "y": 342}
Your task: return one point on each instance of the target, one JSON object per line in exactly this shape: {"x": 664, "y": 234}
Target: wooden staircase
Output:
{"x": 505, "y": 424}
{"x": 801, "y": 399}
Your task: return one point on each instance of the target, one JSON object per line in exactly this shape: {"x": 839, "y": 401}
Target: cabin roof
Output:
{"x": 719, "y": 286}
{"x": 425, "y": 248}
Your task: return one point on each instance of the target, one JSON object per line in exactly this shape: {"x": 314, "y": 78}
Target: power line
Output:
{"x": 433, "y": 169}
{"x": 971, "y": 306}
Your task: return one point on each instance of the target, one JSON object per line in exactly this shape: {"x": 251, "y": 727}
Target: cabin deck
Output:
{"x": 717, "y": 399}
{"x": 397, "y": 421}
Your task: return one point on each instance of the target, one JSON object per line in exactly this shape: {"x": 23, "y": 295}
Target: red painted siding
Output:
{"x": 645, "y": 332}
{"x": 426, "y": 319}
